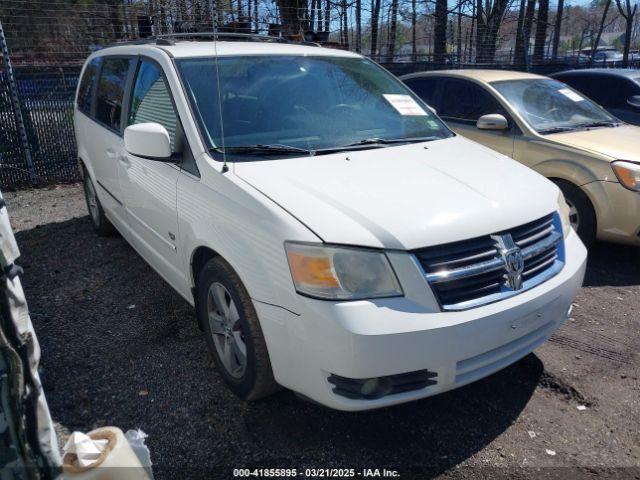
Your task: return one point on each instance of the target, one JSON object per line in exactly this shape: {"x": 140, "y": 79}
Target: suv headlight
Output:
{"x": 563, "y": 211}
{"x": 628, "y": 174}
{"x": 341, "y": 273}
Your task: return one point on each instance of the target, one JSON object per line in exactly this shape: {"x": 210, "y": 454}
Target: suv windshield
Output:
{"x": 303, "y": 105}
{"x": 550, "y": 106}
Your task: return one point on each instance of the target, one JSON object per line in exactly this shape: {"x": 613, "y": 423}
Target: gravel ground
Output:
{"x": 121, "y": 348}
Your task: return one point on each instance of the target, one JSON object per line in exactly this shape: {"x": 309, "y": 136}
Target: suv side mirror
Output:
{"x": 634, "y": 101}
{"x": 493, "y": 121}
{"x": 148, "y": 140}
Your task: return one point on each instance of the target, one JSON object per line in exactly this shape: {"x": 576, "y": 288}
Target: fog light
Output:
{"x": 369, "y": 387}
{"x": 378, "y": 387}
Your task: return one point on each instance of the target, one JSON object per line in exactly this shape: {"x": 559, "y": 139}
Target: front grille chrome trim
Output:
{"x": 495, "y": 264}
{"x": 474, "y": 284}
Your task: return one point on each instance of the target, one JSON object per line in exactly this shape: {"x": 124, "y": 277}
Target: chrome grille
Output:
{"x": 474, "y": 272}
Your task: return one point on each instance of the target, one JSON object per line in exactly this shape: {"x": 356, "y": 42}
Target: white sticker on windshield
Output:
{"x": 404, "y": 104}
{"x": 571, "y": 95}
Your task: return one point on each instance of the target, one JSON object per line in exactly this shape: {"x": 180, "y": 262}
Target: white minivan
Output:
{"x": 334, "y": 236}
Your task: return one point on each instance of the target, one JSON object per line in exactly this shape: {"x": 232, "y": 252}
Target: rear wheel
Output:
{"x": 101, "y": 223}
{"x": 233, "y": 332}
{"x": 581, "y": 213}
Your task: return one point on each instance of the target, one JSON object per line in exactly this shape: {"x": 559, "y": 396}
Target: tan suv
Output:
{"x": 592, "y": 156}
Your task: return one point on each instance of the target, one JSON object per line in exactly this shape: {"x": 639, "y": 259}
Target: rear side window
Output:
{"x": 110, "y": 93}
{"x": 425, "y": 88}
{"x": 86, "y": 85}
{"x": 151, "y": 100}
{"x": 589, "y": 85}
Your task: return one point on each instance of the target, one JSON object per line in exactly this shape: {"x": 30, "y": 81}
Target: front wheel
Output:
{"x": 581, "y": 213}
{"x": 233, "y": 332}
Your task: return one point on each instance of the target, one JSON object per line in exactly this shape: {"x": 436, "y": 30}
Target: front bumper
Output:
{"x": 368, "y": 339}
{"x": 617, "y": 212}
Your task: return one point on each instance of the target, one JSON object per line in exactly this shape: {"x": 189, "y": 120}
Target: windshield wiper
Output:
{"x": 277, "y": 148}
{"x": 380, "y": 142}
{"x": 258, "y": 149}
{"x": 598, "y": 124}
{"x": 556, "y": 129}
{"x": 390, "y": 141}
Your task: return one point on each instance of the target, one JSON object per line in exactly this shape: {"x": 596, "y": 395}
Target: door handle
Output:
{"x": 111, "y": 153}
{"x": 124, "y": 159}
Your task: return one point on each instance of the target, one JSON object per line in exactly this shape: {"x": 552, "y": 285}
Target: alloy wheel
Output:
{"x": 226, "y": 329}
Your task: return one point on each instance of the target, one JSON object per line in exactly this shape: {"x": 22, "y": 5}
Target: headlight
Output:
{"x": 341, "y": 273}
{"x": 563, "y": 211}
{"x": 628, "y": 174}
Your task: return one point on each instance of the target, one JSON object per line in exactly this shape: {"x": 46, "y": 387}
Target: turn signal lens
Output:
{"x": 310, "y": 270}
{"x": 628, "y": 174}
{"x": 341, "y": 273}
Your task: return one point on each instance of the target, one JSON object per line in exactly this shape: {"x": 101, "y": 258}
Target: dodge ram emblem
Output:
{"x": 513, "y": 260}
{"x": 514, "y": 263}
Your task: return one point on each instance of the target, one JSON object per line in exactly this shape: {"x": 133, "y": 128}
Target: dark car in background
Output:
{"x": 616, "y": 89}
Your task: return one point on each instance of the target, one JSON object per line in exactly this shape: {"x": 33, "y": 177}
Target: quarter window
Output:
{"x": 111, "y": 91}
{"x": 86, "y": 85}
{"x": 151, "y": 100}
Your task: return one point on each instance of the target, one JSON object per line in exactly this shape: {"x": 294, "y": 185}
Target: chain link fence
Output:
{"x": 46, "y": 41}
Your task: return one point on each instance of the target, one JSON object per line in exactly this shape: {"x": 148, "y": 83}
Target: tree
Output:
{"x": 358, "y": 26}
{"x": 344, "y": 25}
{"x": 518, "y": 54}
{"x": 489, "y": 19}
{"x": 375, "y": 18}
{"x": 291, "y": 15}
{"x": 523, "y": 35}
{"x": 440, "y": 32}
{"x": 541, "y": 31}
{"x": 114, "y": 17}
{"x": 557, "y": 29}
{"x": 414, "y": 23}
{"x": 628, "y": 13}
{"x": 393, "y": 29}
{"x": 595, "y": 44}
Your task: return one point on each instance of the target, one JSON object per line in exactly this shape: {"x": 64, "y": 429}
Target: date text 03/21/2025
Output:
{"x": 316, "y": 472}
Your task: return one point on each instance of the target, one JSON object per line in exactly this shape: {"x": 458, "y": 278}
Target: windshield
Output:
{"x": 550, "y": 106}
{"x": 310, "y": 103}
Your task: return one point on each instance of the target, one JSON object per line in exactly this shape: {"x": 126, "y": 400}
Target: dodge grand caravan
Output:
{"x": 333, "y": 235}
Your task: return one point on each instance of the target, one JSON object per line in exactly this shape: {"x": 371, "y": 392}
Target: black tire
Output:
{"x": 257, "y": 379}
{"x": 99, "y": 220}
{"x": 586, "y": 217}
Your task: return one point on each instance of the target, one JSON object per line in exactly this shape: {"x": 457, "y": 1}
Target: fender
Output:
{"x": 245, "y": 228}
{"x": 565, "y": 169}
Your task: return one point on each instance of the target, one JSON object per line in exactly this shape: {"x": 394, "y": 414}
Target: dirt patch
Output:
{"x": 120, "y": 347}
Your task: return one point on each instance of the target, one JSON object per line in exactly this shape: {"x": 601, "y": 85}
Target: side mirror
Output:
{"x": 148, "y": 140}
{"x": 634, "y": 101}
{"x": 493, "y": 121}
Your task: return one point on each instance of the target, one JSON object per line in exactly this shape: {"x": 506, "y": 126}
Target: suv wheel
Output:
{"x": 233, "y": 332}
{"x": 101, "y": 223}
{"x": 581, "y": 213}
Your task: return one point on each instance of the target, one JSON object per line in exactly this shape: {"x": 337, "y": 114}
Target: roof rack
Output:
{"x": 169, "y": 39}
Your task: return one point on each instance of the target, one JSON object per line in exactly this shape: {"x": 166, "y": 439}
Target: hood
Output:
{"x": 405, "y": 197}
{"x": 619, "y": 143}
